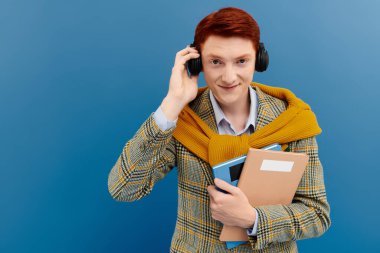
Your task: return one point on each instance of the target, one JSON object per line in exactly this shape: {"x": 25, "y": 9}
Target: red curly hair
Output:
{"x": 228, "y": 22}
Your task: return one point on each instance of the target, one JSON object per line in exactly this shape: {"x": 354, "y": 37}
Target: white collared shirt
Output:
{"x": 225, "y": 126}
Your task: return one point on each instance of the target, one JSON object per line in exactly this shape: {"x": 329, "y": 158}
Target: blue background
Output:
{"x": 78, "y": 78}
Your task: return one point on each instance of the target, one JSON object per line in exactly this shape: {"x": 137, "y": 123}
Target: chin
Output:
{"x": 227, "y": 99}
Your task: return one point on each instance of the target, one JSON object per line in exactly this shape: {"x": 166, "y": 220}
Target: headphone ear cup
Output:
{"x": 194, "y": 66}
{"x": 262, "y": 59}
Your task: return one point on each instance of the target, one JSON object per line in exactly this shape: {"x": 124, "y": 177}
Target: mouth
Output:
{"x": 229, "y": 88}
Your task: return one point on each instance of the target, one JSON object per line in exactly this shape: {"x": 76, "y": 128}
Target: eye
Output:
{"x": 242, "y": 61}
{"x": 215, "y": 62}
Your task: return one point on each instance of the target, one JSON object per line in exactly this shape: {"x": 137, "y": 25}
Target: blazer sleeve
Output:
{"x": 308, "y": 215}
{"x": 145, "y": 159}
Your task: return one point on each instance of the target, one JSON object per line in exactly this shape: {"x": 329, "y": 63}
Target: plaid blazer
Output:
{"x": 152, "y": 153}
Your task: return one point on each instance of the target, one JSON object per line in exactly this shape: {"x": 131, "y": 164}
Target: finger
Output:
{"x": 183, "y": 59}
{"x": 213, "y": 192}
{"x": 225, "y": 186}
{"x": 187, "y": 50}
{"x": 216, "y": 195}
{"x": 211, "y": 189}
{"x": 180, "y": 62}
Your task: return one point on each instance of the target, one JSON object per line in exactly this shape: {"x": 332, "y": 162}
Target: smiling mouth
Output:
{"x": 228, "y": 87}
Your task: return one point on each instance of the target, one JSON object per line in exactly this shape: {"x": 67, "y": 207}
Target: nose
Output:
{"x": 229, "y": 75}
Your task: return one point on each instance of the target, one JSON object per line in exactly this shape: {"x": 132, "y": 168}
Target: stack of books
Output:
{"x": 266, "y": 176}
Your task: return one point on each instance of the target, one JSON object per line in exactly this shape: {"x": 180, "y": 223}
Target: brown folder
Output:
{"x": 268, "y": 178}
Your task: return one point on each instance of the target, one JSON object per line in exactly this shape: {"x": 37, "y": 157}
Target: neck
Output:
{"x": 240, "y": 109}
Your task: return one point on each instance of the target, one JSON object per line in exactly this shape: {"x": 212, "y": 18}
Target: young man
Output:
{"x": 196, "y": 128}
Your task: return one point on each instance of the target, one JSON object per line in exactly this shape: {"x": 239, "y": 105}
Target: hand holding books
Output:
{"x": 265, "y": 177}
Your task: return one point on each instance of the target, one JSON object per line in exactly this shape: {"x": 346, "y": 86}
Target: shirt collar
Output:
{"x": 219, "y": 115}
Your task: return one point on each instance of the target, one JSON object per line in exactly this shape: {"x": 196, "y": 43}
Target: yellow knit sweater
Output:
{"x": 295, "y": 123}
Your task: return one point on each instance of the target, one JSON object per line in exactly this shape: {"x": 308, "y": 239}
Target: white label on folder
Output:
{"x": 273, "y": 165}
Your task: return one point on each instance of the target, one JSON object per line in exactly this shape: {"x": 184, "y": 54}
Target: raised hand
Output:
{"x": 182, "y": 88}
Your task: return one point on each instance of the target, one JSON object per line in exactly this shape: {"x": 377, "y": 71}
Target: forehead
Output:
{"x": 227, "y": 47}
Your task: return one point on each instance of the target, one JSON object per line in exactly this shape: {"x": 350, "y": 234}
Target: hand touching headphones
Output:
{"x": 194, "y": 66}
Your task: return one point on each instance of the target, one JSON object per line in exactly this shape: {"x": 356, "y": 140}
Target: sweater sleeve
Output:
{"x": 144, "y": 160}
{"x": 309, "y": 214}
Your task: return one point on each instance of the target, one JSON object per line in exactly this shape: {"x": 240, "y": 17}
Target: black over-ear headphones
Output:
{"x": 194, "y": 66}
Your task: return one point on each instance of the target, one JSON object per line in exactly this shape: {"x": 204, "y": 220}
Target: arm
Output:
{"x": 144, "y": 160}
{"x": 150, "y": 154}
{"x": 309, "y": 214}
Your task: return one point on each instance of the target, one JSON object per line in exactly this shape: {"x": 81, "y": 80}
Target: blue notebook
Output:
{"x": 230, "y": 171}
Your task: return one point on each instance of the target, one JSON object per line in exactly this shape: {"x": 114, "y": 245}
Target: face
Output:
{"x": 228, "y": 66}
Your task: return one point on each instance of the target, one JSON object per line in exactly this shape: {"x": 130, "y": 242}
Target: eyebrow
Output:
{"x": 216, "y": 56}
